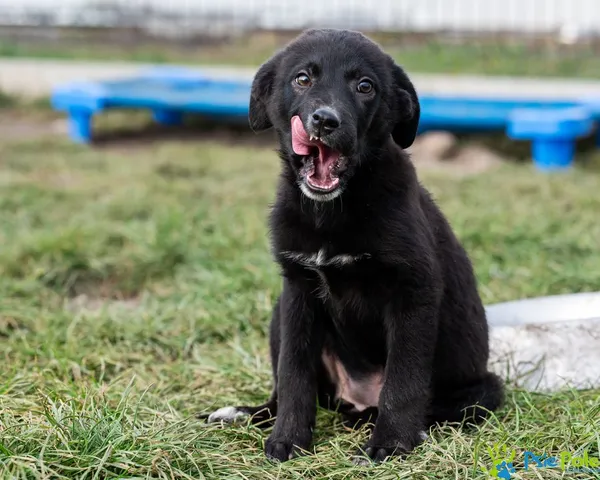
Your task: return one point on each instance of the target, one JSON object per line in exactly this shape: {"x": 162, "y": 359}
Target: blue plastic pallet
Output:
{"x": 171, "y": 92}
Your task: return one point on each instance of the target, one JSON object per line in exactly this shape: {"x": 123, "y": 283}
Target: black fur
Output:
{"x": 410, "y": 304}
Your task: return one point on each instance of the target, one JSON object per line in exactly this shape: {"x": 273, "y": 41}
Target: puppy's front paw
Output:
{"x": 376, "y": 454}
{"x": 282, "y": 449}
{"x": 378, "y": 451}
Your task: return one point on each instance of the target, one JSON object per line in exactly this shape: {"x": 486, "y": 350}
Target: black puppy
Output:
{"x": 379, "y": 316}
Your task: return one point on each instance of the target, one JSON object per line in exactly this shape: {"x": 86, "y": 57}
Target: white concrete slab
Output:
{"x": 548, "y": 343}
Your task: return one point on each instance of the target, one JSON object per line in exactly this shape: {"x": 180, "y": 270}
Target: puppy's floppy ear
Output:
{"x": 262, "y": 89}
{"x": 406, "y": 108}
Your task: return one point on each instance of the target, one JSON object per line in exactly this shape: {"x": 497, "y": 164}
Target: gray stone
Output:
{"x": 434, "y": 146}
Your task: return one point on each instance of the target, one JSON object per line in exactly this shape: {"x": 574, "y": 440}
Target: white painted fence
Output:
{"x": 481, "y": 15}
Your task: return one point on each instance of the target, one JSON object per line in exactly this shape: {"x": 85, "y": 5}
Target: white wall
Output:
{"x": 420, "y": 14}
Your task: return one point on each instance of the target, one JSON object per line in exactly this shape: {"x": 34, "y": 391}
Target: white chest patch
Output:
{"x": 320, "y": 259}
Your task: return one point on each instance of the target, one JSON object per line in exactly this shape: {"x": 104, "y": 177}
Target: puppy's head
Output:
{"x": 333, "y": 96}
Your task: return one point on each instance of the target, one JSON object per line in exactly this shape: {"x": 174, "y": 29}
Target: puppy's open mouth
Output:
{"x": 322, "y": 164}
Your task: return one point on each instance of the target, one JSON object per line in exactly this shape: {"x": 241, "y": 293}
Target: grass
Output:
{"x": 135, "y": 292}
{"x": 6, "y": 100}
{"x": 476, "y": 57}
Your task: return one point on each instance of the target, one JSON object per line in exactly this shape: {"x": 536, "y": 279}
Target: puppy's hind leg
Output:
{"x": 470, "y": 404}
{"x": 261, "y": 415}
{"x": 356, "y": 420}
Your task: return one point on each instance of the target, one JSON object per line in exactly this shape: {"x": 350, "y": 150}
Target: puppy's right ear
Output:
{"x": 262, "y": 89}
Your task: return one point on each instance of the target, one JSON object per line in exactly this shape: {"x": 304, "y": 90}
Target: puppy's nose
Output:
{"x": 325, "y": 120}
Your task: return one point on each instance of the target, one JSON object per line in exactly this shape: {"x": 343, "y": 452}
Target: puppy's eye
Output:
{"x": 303, "y": 80}
{"x": 365, "y": 86}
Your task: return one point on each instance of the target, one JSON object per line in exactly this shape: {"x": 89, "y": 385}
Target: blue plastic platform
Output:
{"x": 172, "y": 92}
{"x": 553, "y": 133}
{"x": 168, "y": 92}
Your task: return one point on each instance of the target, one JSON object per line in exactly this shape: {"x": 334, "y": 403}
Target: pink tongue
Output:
{"x": 302, "y": 146}
{"x": 300, "y": 141}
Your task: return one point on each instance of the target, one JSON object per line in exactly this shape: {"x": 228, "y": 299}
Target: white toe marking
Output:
{"x": 423, "y": 435}
{"x": 227, "y": 415}
{"x": 361, "y": 461}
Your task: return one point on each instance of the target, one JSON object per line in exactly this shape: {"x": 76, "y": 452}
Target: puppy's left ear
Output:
{"x": 262, "y": 89}
{"x": 406, "y": 108}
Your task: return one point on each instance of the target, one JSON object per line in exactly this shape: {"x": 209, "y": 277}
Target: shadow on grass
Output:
{"x": 145, "y": 133}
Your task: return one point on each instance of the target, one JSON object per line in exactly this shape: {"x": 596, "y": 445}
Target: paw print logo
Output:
{"x": 505, "y": 470}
